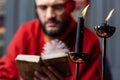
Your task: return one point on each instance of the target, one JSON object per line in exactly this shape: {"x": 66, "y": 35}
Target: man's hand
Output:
{"x": 47, "y": 73}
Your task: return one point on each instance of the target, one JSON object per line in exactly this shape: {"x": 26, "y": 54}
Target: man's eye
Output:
{"x": 42, "y": 7}
{"x": 59, "y": 6}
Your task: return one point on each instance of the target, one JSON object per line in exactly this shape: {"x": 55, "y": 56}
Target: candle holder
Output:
{"x": 104, "y": 31}
{"x": 78, "y": 57}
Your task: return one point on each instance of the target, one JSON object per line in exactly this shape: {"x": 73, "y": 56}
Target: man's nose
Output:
{"x": 50, "y": 13}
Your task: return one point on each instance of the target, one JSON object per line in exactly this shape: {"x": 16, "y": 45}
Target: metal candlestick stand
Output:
{"x": 78, "y": 56}
{"x": 104, "y": 31}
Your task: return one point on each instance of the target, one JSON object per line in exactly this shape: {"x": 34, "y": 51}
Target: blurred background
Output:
{"x": 15, "y": 12}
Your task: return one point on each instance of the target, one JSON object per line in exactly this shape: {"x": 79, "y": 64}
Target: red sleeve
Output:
{"x": 8, "y": 70}
{"x": 23, "y": 42}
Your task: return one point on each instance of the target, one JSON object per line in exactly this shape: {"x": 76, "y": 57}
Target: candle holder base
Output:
{"x": 78, "y": 57}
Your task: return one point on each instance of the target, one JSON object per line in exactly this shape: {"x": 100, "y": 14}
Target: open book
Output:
{"x": 27, "y": 64}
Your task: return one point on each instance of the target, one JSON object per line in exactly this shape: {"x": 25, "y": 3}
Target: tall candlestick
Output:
{"x": 79, "y": 42}
{"x": 78, "y": 56}
{"x": 105, "y": 31}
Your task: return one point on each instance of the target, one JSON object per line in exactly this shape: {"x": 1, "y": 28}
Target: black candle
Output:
{"x": 79, "y": 35}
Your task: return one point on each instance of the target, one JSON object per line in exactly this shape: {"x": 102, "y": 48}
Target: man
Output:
{"x": 54, "y": 22}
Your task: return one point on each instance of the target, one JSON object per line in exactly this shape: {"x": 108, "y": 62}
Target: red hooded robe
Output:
{"x": 29, "y": 39}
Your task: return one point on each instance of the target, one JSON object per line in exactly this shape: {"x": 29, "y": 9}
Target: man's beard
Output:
{"x": 63, "y": 25}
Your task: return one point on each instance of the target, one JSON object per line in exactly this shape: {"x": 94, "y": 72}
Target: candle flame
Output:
{"x": 109, "y": 15}
{"x": 85, "y": 10}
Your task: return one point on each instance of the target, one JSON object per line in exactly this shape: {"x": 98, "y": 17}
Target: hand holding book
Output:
{"x": 47, "y": 73}
{"x": 53, "y": 63}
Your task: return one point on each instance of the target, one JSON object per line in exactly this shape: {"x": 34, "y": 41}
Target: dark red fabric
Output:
{"x": 29, "y": 39}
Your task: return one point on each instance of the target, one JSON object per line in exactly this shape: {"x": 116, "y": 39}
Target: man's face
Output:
{"x": 51, "y": 14}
